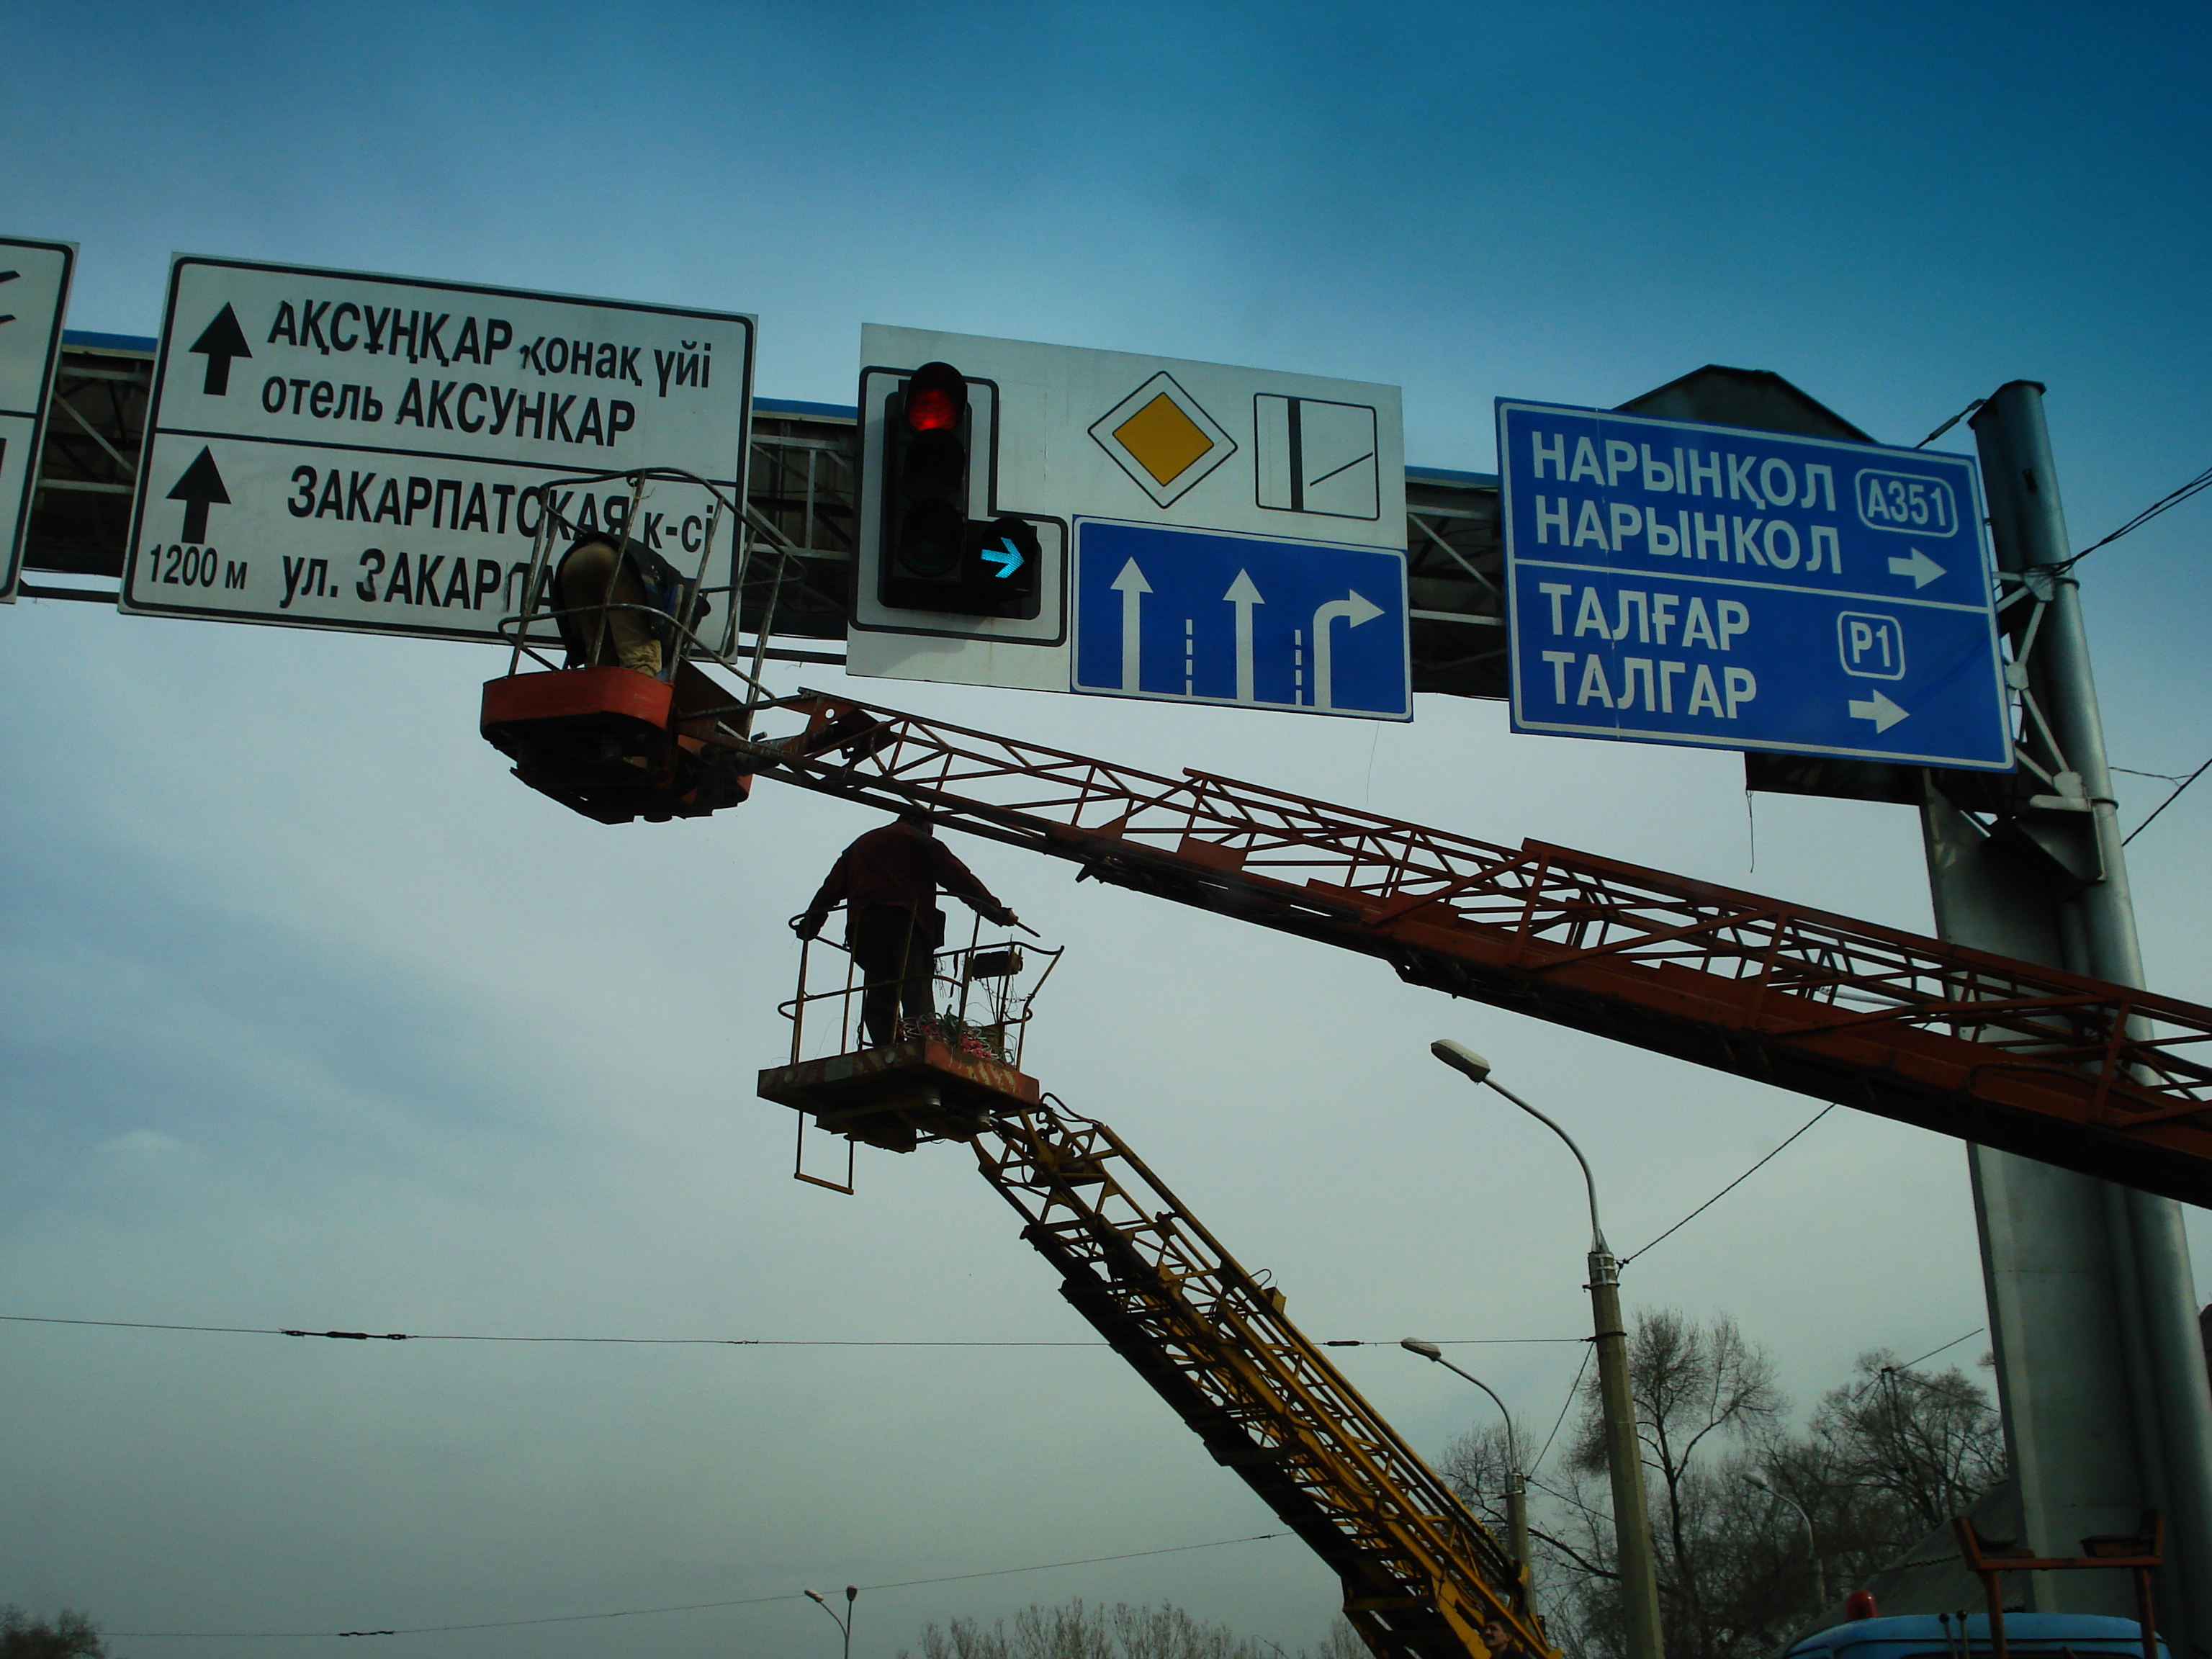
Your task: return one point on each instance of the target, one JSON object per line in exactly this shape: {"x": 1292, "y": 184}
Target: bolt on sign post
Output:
{"x": 343, "y": 450}
{"x": 34, "y": 284}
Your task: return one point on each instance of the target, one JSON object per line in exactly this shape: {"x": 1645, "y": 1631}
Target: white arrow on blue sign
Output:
{"x": 1675, "y": 582}
{"x": 1187, "y": 616}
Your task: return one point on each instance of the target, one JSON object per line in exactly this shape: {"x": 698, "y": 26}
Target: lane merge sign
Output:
{"x": 34, "y": 284}
{"x": 1671, "y": 581}
{"x": 343, "y": 450}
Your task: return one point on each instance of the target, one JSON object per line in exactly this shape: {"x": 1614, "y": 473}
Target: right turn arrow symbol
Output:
{"x": 1878, "y": 708}
{"x": 1921, "y": 568}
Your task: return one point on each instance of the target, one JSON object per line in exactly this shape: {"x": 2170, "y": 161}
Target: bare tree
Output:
{"x": 1929, "y": 1443}
{"x": 70, "y": 1635}
{"x": 1075, "y": 1630}
{"x": 1888, "y": 1456}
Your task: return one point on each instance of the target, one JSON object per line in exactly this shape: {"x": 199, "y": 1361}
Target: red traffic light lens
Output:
{"x": 931, "y": 409}
{"x": 936, "y": 398}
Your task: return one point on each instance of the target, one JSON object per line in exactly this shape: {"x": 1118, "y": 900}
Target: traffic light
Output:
{"x": 934, "y": 557}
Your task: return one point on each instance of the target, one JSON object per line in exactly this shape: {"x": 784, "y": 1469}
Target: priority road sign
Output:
{"x": 35, "y": 283}
{"x": 1300, "y": 470}
{"x": 336, "y": 449}
{"x": 1671, "y": 581}
{"x": 1192, "y": 616}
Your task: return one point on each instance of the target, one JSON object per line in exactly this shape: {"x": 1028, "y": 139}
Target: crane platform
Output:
{"x": 896, "y": 1097}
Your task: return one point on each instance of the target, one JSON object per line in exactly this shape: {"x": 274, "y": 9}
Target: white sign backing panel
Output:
{"x": 34, "y": 284}
{"x": 1207, "y": 448}
{"x": 346, "y": 450}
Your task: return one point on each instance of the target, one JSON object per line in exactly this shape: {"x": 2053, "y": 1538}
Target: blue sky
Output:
{"x": 311, "y": 1024}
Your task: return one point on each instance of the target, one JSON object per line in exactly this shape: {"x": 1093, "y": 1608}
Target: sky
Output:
{"x": 317, "y": 1019}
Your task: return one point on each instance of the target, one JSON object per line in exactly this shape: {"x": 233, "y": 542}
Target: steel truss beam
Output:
{"x": 2094, "y": 1077}
{"x": 1421, "y": 1575}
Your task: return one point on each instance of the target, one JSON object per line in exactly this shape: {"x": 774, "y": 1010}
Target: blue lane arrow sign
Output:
{"x": 1005, "y": 555}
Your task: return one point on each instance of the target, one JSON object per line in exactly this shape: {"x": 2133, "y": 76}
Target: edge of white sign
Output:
{"x": 12, "y": 576}
{"x": 178, "y": 261}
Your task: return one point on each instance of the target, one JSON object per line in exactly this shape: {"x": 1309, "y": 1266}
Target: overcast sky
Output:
{"x": 316, "y": 1018}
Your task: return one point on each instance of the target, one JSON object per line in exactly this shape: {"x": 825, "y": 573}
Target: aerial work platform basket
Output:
{"x": 946, "y": 1072}
{"x": 618, "y": 742}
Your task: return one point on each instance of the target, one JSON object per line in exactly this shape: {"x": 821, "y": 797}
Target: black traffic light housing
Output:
{"x": 934, "y": 557}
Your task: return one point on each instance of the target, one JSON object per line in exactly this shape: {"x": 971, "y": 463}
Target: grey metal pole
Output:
{"x": 1516, "y": 1488}
{"x": 2154, "y": 1296}
{"x": 1812, "y": 1538}
{"x": 1623, "y": 1456}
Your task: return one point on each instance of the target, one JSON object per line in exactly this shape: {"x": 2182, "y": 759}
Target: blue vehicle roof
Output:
{"x": 1915, "y": 1634}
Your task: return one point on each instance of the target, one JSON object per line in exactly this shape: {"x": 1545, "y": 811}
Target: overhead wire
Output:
{"x": 2166, "y": 503}
{"x": 687, "y": 1606}
{"x": 1731, "y": 1186}
{"x": 698, "y": 1342}
{"x": 2178, "y": 787}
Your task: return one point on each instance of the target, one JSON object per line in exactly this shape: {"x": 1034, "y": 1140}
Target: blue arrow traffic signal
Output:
{"x": 1005, "y": 555}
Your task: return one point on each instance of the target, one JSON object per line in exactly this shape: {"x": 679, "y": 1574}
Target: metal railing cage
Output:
{"x": 981, "y": 994}
{"x": 675, "y": 623}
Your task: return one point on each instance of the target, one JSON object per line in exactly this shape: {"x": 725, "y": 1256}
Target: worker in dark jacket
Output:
{"x": 888, "y": 881}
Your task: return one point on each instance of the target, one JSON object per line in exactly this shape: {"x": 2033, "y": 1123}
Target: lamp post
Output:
{"x": 845, "y": 1624}
{"x": 1517, "y": 1490}
{"x": 1759, "y": 1483}
{"x": 1632, "y": 1518}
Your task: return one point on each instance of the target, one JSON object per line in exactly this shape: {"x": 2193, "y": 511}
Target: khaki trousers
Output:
{"x": 593, "y": 575}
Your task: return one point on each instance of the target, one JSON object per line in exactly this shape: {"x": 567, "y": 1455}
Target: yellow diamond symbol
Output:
{"x": 1162, "y": 440}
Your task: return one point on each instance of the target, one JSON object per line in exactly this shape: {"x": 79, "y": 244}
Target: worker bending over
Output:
{"x": 609, "y": 589}
{"x": 887, "y": 881}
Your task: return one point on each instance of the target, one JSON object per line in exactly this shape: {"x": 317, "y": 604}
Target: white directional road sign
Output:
{"x": 35, "y": 283}
{"x": 1675, "y": 582}
{"x": 1210, "y": 533}
{"x": 338, "y": 449}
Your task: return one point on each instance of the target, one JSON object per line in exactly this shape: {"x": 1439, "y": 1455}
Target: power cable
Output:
{"x": 693, "y": 1341}
{"x": 640, "y": 1613}
{"x": 632, "y": 1341}
{"x": 2178, "y": 787}
{"x": 1887, "y": 1371}
{"x": 2171, "y": 499}
{"x": 1573, "y": 1388}
{"x": 1948, "y": 424}
{"x": 1730, "y": 1188}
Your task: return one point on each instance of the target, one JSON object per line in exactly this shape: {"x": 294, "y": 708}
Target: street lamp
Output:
{"x": 1812, "y": 1545}
{"x": 845, "y": 1624}
{"x": 1516, "y": 1491}
{"x": 1632, "y": 1518}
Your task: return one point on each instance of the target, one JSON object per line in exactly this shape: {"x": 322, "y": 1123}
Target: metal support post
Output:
{"x": 1624, "y": 1457}
{"x": 1516, "y": 1524}
{"x": 2100, "y": 1371}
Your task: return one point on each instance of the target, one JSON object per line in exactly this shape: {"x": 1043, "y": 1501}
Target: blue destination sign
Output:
{"x": 1675, "y": 582}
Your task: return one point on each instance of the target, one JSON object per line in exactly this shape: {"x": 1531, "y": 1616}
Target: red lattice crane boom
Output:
{"x": 2113, "y": 1082}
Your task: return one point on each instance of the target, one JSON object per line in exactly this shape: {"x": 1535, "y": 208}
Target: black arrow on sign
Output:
{"x": 221, "y": 340}
{"x": 8, "y": 277}
{"x": 200, "y": 485}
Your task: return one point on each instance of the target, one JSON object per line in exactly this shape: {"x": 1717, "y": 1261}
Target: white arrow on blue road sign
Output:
{"x": 1878, "y": 708}
{"x": 1921, "y": 568}
{"x": 1243, "y": 595}
{"x": 1005, "y": 555}
{"x": 1354, "y": 609}
{"x": 1131, "y": 585}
